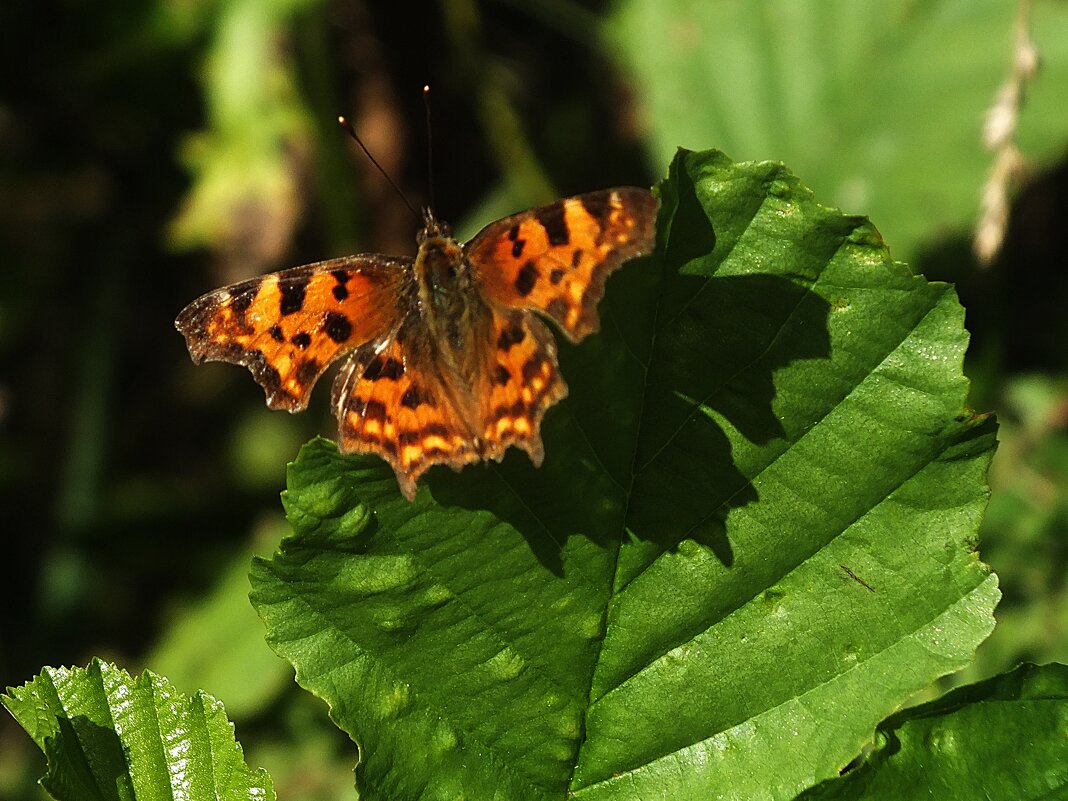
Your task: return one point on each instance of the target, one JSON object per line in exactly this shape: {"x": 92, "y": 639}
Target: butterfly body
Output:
{"x": 447, "y": 361}
{"x": 450, "y": 303}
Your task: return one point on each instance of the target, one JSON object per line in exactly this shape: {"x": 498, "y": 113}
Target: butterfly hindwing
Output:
{"x": 391, "y": 400}
{"x": 521, "y": 381}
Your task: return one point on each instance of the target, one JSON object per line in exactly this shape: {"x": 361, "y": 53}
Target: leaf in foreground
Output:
{"x": 752, "y": 538}
{"x": 110, "y": 736}
{"x": 1001, "y": 738}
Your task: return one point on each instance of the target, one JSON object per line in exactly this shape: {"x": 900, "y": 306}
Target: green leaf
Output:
{"x": 878, "y": 103}
{"x": 1001, "y": 738}
{"x": 751, "y": 540}
{"x": 110, "y": 736}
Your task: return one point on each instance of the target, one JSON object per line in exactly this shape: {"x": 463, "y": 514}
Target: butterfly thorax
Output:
{"x": 452, "y": 307}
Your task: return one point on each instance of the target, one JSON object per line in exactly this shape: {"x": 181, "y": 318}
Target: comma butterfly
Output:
{"x": 447, "y": 362}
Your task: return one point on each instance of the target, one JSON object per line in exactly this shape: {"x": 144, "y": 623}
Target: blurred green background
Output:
{"x": 150, "y": 152}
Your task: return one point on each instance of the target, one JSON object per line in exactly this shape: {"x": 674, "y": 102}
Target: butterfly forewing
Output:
{"x": 288, "y": 327}
{"x": 555, "y": 259}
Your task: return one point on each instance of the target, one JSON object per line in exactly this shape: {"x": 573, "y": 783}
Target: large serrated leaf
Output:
{"x": 752, "y": 538}
{"x": 110, "y": 736}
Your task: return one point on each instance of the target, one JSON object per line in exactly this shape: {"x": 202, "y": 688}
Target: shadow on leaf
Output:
{"x": 638, "y": 448}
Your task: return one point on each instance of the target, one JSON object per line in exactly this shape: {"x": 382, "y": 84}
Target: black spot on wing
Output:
{"x": 517, "y": 247}
{"x": 512, "y": 335}
{"x": 340, "y": 291}
{"x": 337, "y": 327}
{"x": 556, "y": 275}
{"x": 597, "y": 205}
{"x": 576, "y": 258}
{"x": 292, "y": 294}
{"x": 374, "y": 410}
{"x": 413, "y": 397}
{"x": 388, "y": 368}
{"x": 242, "y": 296}
{"x": 276, "y": 334}
{"x": 526, "y": 279}
{"x": 405, "y": 438}
{"x": 301, "y": 340}
{"x": 501, "y": 376}
{"x": 552, "y": 219}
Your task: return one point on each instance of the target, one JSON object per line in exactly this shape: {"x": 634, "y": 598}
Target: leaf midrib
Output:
{"x": 636, "y": 470}
{"x": 634, "y": 474}
{"x": 917, "y": 468}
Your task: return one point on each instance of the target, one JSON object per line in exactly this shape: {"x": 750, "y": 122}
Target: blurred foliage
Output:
{"x": 151, "y": 152}
{"x": 1025, "y": 533}
{"x": 876, "y": 102}
{"x": 247, "y": 165}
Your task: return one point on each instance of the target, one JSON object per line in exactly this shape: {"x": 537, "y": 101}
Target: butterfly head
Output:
{"x": 433, "y": 228}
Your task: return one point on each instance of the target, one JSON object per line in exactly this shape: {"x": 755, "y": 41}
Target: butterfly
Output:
{"x": 448, "y": 359}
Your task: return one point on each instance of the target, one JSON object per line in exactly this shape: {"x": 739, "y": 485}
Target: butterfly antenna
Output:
{"x": 351, "y": 131}
{"x": 429, "y": 146}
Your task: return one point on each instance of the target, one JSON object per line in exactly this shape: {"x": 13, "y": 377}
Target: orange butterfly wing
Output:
{"x": 555, "y": 259}
{"x": 288, "y": 327}
{"x": 393, "y": 398}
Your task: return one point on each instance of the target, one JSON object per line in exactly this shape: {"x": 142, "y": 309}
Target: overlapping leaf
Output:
{"x": 751, "y": 540}
{"x": 1001, "y": 738}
